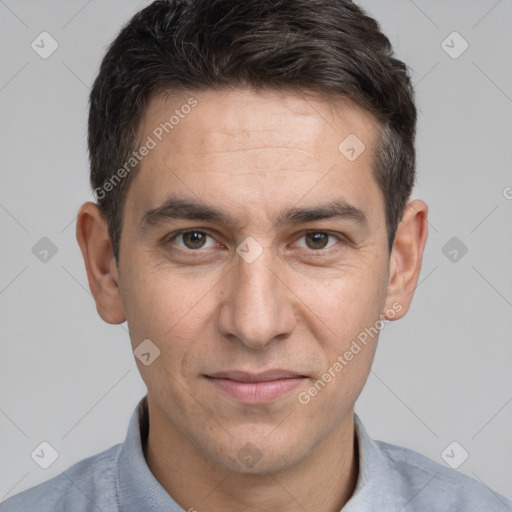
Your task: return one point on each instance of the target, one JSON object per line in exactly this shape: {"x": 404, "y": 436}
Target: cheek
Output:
{"x": 160, "y": 301}
{"x": 346, "y": 301}
{"x": 176, "y": 314}
{"x": 345, "y": 317}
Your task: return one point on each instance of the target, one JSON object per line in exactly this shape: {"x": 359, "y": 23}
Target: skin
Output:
{"x": 296, "y": 307}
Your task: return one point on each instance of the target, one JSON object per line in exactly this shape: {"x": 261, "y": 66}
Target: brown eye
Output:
{"x": 191, "y": 240}
{"x": 194, "y": 239}
{"x": 317, "y": 240}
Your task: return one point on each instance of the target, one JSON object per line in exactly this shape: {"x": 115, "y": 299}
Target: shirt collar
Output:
{"x": 380, "y": 484}
{"x": 138, "y": 490}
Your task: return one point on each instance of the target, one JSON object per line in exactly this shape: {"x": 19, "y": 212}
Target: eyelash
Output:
{"x": 318, "y": 252}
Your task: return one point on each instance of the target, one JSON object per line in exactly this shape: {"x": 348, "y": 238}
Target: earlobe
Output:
{"x": 406, "y": 258}
{"x": 94, "y": 241}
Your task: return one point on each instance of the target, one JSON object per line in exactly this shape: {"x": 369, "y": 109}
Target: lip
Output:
{"x": 256, "y": 388}
{"x": 269, "y": 375}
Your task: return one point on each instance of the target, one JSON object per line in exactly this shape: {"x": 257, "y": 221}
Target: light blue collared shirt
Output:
{"x": 391, "y": 479}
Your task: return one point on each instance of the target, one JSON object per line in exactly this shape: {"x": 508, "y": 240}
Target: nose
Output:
{"x": 258, "y": 303}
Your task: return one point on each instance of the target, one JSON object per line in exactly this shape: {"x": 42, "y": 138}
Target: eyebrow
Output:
{"x": 177, "y": 208}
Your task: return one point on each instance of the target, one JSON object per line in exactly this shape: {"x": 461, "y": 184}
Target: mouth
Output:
{"x": 256, "y": 388}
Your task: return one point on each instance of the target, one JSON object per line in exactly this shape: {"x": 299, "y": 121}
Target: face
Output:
{"x": 277, "y": 268}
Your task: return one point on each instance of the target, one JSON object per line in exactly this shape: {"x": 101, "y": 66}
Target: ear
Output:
{"x": 94, "y": 241}
{"x": 406, "y": 258}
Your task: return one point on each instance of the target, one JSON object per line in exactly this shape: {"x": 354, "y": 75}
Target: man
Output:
{"x": 253, "y": 164}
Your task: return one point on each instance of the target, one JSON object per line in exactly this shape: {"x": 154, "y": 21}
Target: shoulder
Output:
{"x": 429, "y": 483}
{"x": 87, "y": 485}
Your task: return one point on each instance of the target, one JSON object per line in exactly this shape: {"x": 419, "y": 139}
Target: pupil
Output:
{"x": 319, "y": 237}
{"x": 195, "y": 237}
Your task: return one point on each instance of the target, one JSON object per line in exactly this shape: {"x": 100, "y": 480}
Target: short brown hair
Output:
{"x": 331, "y": 47}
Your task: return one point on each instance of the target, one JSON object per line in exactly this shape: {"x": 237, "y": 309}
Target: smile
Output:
{"x": 256, "y": 389}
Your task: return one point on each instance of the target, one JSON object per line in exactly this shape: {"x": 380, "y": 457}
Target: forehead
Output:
{"x": 232, "y": 119}
{"x": 250, "y": 150}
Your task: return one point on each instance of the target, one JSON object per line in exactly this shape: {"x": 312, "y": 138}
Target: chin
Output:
{"x": 259, "y": 456}
{"x": 265, "y": 465}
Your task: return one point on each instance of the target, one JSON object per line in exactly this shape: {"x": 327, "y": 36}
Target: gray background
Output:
{"x": 441, "y": 374}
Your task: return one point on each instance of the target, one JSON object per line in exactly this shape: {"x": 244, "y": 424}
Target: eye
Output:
{"x": 192, "y": 240}
{"x": 318, "y": 240}
{"x": 195, "y": 240}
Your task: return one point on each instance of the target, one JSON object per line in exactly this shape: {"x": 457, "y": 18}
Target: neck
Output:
{"x": 324, "y": 481}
